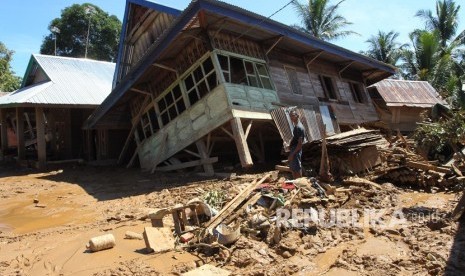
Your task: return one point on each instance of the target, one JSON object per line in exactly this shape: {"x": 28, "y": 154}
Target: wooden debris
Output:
{"x": 459, "y": 209}
{"x": 229, "y": 209}
{"x": 356, "y": 181}
{"x": 427, "y": 167}
{"x": 158, "y": 240}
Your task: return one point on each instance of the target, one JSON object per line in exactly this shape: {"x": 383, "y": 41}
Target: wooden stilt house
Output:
{"x": 47, "y": 113}
{"x": 198, "y": 85}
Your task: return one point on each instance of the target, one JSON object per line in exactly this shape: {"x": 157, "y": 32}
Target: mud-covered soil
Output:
{"x": 46, "y": 219}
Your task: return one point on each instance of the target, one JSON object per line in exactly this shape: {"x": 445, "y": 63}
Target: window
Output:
{"x": 328, "y": 87}
{"x": 357, "y": 92}
{"x": 201, "y": 81}
{"x": 293, "y": 80}
{"x": 148, "y": 123}
{"x": 241, "y": 71}
{"x": 171, "y": 105}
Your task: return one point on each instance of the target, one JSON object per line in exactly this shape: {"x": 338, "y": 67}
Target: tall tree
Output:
{"x": 445, "y": 21}
{"x": 321, "y": 19}
{"x": 8, "y": 81}
{"x": 83, "y": 29}
{"x": 384, "y": 47}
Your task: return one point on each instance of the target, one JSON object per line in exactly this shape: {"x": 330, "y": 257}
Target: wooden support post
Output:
{"x": 208, "y": 167}
{"x": 51, "y": 124}
{"x": 4, "y": 133}
{"x": 20, "y": 133}
{"x": 241, "y": 143}
{"x": 41, "y": 144}
{"x": 68, "y": 135}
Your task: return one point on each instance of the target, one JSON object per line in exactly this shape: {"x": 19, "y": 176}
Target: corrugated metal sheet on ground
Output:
{"x": 408, "y": 93}
{"x": 73, "y": 81}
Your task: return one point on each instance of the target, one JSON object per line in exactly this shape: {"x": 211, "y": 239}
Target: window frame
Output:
{"x": 293, "y": 85}
{"x": 358, "y": 92}
{"x": 329, "y": 91}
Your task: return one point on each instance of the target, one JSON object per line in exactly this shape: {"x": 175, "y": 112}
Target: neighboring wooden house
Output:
{"x": 400, "y": 102}
{"x": 202, "y": 82}
{"x": 56, "y": 96}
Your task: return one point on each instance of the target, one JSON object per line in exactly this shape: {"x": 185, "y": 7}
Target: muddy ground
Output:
{"x": 77, "y": 202}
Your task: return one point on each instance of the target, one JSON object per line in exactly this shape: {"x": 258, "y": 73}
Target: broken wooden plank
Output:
{"x": 427, "y": 167}
{"x": 233, "y": 205}
{"x": 189, "y": 164}
{"x": 361, "y": 181}
{"x": 282, "y": 168}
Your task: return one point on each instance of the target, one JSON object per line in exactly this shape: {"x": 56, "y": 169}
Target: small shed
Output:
{"x": 400, "y": 103}
{"x": 46, "y": 114}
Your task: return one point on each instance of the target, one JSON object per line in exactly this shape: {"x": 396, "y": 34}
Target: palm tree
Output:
{"x": 428, "y": 61}
{"x": 321, "y": 20}
{"x": 445, "y": 21}
{"x": 385, "y": 48}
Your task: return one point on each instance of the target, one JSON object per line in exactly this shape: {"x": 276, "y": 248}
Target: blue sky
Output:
{"x": 23, "y": 23}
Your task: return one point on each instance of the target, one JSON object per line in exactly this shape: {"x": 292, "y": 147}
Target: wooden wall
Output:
{"x": 201, "y": 118}
{"x": 346, "y": 109}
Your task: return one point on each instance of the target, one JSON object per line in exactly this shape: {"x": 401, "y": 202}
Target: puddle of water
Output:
{"x": 22, "y": 216}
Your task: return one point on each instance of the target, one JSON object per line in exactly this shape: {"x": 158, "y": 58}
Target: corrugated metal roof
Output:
{"x": 72, "y": 81}
{"x": 407, "y": 93}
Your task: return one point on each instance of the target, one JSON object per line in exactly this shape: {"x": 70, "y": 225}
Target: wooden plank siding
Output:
{"x": 346, "y": 109}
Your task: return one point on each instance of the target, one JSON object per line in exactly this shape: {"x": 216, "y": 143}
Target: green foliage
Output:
{"x": 321, "y": 20}
{"x": 384, "y": 47}
{"x": 215, "y": 198}
{"x": 74, "y": 24}
{"x": 8, "y": 81}
{"x": 446, "y": 131}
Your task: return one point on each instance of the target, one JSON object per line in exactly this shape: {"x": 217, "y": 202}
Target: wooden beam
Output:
{"x": 241, "y": 143}
{"x": 162, "y": 66}
{"x": 314, "y": 58}
{"x": 274, "y": 44}
{"x": 187, "y": 164}
{"x": 192, "y": 153}
{"x": 41, "y": 144}
{"x": 247, "y": 130}
{"x": 134, "y": 127}
{"x": 227, "y": 132}
{"x": 203, "y": 157}
{"x": 345, "y": 67}
{"x": 139, "y": 91}
{"x": 20, "y": 133}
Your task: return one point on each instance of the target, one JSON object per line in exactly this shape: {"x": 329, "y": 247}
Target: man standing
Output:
{"x": 295, "y": 154}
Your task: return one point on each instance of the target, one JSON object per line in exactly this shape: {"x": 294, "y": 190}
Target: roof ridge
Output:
{"x": 73, "y": 58}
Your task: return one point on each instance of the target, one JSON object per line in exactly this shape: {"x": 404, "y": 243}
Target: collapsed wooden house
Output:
{"x": 200, "y": 83}
{"x": 400, "y": 103}
{"x": 46, "y": 114}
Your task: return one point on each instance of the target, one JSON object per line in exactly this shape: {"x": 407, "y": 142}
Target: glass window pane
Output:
{"x": 153, "y": 119}
{"x": 223, "y": 62}
{"x": 207, "y": 65}
{"x": 249, "y": 68}
{"x": 161, "y": 104}
{"x": 198, "y": 74}
{"x": 169, "y": 99}
{"x": 177, "y": 92}
{"x": 193, "y": 98}
{"x": 212, "y": 83}
{"x": 203, "y": 89}
{"x": 253, "y": 81}
{"x": 181, "y": 106}
{"x": 165, "y": 118}
{"x": 261, "y": 69}
{"x": 173, "y": 113}
{"x": 266, "y": 83}
{"x": 189, "y": 82}
{"x": 237, "y": 71}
